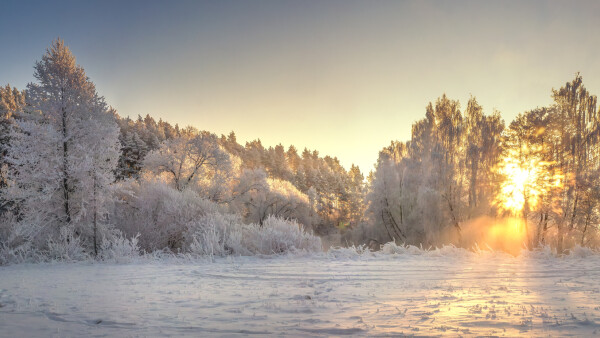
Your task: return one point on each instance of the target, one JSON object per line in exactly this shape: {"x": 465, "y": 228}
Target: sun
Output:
{"x": 520, "y": 185}
{"x": 527, "y": 181}
{"x": 513, "y": 190}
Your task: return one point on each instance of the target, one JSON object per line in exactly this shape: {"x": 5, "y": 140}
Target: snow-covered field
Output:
{"x": 444, "y": 292}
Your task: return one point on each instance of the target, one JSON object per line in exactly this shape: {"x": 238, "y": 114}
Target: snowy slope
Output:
{"x": 448, "y": 292}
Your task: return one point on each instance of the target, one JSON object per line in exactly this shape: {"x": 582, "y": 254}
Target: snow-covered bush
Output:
{"x": 119, "y": 248}
{"x": 18, "y": 254}
{"x": 182, "y": 221}
{"x": 277, "y": 235}
{"x": 350, "y": 252}
{"x": 391, "y": 248}
{"x": 158, "y": 212}
{"x": 66, "y": 247}
{"x": 216, "y": 234}
{"x": 219, "y": 234}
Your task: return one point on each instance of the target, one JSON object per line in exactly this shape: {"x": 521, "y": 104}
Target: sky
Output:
{"x": 342, "y": 77}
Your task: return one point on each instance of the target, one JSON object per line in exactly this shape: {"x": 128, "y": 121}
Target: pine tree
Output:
{"x": 11, "y": 101}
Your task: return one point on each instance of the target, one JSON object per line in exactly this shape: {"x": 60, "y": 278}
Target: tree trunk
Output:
{"x": 587, "y": 222}
{"x": 572, "y": 223}
{"x": 65, "y": 182}
{"x": 95, "y": 218}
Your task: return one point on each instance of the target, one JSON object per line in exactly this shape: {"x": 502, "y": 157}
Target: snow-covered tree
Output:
{"x": 185, "y": 160}
{"x": 133, "y": 151}
{"x": 63, "y": 160}
{"x": 423, "y": 190}
{"x": 257, "y": 197}
{"x": 11, "y": 101}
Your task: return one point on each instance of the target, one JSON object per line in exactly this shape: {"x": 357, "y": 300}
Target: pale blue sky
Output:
{"x": 342, "y": 77}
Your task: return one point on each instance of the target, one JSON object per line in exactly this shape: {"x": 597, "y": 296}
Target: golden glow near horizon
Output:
{"x": 527, "y": 181}
{"x": 519, "y": 190}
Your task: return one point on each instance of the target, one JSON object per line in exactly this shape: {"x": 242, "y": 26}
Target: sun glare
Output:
{"x": 516, "y": 187}
{"x": 526, "y": 178}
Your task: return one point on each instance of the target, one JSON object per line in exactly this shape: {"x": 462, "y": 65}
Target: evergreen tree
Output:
{"x": 11, "y": 102}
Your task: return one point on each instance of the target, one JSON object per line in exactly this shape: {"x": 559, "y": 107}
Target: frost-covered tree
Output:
{"x": 422, "y": 191}
{"x": 133, "y": 151}
{"x": 11, "y": 101}
{"x": 356, "y": 195}
{"x": 392, "y": 198}
{"x": 558, "y": 147}
{"x": 257, "y": 197}
{"x": 138, "y": 137}
{"x": 187, "y": 159}
{"x": 63, "y": 160}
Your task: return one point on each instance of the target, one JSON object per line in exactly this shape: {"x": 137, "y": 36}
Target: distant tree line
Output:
{"x": 335, "y": 195}
{"x": 77, "y": 179}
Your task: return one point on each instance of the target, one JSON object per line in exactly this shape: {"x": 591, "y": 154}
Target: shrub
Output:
{"x": 218, "y": 234}
{"x": 159, "y": 213}
{"x": 278, "y": 235}
{"x": 119, "y": 248}
{"x": 66, "y": 247}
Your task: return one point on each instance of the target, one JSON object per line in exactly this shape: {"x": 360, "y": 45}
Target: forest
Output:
{"x": 78, "y": 180}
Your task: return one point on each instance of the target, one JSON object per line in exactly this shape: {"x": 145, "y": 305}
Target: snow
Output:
{"x": 442, "y": 292}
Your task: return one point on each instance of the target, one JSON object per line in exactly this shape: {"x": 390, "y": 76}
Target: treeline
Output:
{"x": 335, "y": 195}
{"x": 77, "y": 180}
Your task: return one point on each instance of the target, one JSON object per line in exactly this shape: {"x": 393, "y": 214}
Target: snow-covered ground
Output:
{"x": 445, "y": 292}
